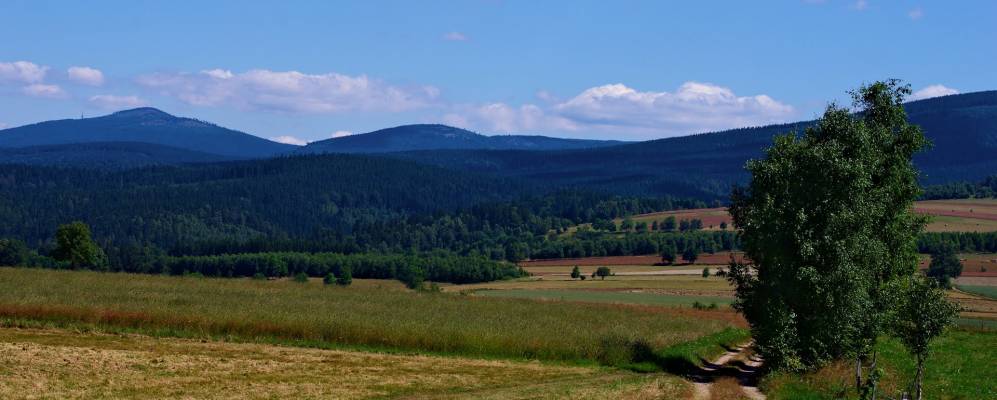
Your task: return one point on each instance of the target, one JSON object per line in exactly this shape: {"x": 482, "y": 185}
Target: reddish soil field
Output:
{"x": 720, "y": 258}
{"x": 972, "y": 264}
{"x": 709, "y": 216}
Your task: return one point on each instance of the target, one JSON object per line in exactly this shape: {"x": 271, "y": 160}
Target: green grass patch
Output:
{"x": 650, "y": 299}
{"x": 985, "y": 291}
{"x": 318, "y": 315}
{"x": 960, "y": 367}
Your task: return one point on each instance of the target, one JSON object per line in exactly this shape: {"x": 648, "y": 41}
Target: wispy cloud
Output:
{"x": 933, "y": 91}
{"x": 112, "y": 102}
{"x": 290, "y": 91}
{"x": 860, "y": 5}
{"x": 624, "y": 111}
{"x": 916, "y": 13}
{"x": 22, "y": 72}
{"x": 86, "y": 76}
{"x": 289, "y": 140}
{"x": 43, "y": 90}
{"x": 455, "y": 37}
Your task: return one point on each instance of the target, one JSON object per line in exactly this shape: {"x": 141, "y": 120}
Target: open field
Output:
{"x": 960, "y": 367}
{"x": 705, "y": 259}
{"x": 985, "y": 291}
{"x": 55, "y": 363}
{"x": 960, "y": 215}
{"x": 711, "y": 217}
{"x": 616, "y": 297}
{"x": 317, "y": 315}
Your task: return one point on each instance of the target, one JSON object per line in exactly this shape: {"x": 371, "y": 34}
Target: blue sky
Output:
{"x": 627, "y": 70}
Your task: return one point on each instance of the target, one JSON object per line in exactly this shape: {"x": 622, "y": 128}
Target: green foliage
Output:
{"x": 13, "y": 252}
{"x": 668, "y": 253}
{"x": 329, "y": 279}
{"x": 75, "y": 246}
{"x": 706, "y": 272}
{"x": 944, "y": 266}
{"x": 603, "y": 272}
{"x": 575, "y": 273}
{"x": 345, "y": 277}
{"x": 627, "y": 225}
{"x": 668, "y": 224}
{"x": 690, "y": 254}
{"x": 922, "y": 314}
{"x": 301, "y": 277}
{"x": 827, "y": 224}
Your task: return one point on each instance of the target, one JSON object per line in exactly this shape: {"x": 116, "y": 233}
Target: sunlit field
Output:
{"x": 367, "y": 316}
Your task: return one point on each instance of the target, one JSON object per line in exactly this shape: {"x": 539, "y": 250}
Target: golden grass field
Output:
{"x": 64, "y": 364}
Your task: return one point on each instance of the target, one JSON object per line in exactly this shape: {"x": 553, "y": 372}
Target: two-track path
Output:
{"x": 736, "y": 363}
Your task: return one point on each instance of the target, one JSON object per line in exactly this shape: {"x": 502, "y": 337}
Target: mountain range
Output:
{"x": 442, "y": 137}
{"x": 962, "y": 128}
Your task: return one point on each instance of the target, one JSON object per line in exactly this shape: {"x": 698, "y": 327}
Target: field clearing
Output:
{"x": 613, "y": 297}
{"x": 705, "y": 259}
{"x": 973, "y": 264}
{"x": 54, "y": 363}
{"x": 959, "y": 215}
{"x": 317, "y": 315}
{"x": 711, "y": 217}
{"x": 985, "y": 291}
{"x": 683, "y": 284}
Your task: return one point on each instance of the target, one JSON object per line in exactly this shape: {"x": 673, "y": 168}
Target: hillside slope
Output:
{"x": 144, "y": 125}
{"x": 962, "y": 127}
{"x": 439, "y": 137}
{"x": 110, "y": 155}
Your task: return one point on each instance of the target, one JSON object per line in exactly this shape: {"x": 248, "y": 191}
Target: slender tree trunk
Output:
{"x": 873, "y": 374}
{"x": 918, "y": 377}
{"x": 858, "y": 373}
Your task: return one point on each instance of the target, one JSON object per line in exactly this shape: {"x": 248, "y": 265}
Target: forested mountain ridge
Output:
{"x": 439, "y": 137}
{"x": 144, "y": 125}
{"x": 105, "y": 155}
{"x": 963, "y": 129}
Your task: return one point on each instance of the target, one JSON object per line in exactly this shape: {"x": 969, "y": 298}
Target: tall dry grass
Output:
{"x": 327, "y": 316}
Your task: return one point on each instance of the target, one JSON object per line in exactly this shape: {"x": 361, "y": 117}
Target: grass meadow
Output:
{"x": 363, "y": 316}
{"x": 960, "y": 367}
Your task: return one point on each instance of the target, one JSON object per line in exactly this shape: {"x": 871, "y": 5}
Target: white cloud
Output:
{"x": 860, "y": 5}
{"x": 86, "y": 76}
{"x": 916, "y": 13}
{"x": 43, "y": 90}
{"x": 455, "y": 37}
{"x": 289, "y": 140}
{"x": 22, "y": 72}
{"x": 290, "y": 91}
{"x": 933, "y": 91}
{"x": 624, "y": 111}
{"x": 339, "y": 134}
{"x": 112, "y": 102}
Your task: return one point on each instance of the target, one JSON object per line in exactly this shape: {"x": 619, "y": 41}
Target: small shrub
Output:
{"x": 345, "y": 277}
{"x": 329, "y": 279}
{"x": 300, "y": 277}
{"x": 620, "y": 350}
{"x": 259, "y": 276}
{"x": 706, "y": 272}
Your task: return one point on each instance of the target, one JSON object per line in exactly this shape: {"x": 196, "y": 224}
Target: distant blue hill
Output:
{"x": 962, "y": 128}
{"x": 144, "y": 125}
{"x": 442, "y": 137}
